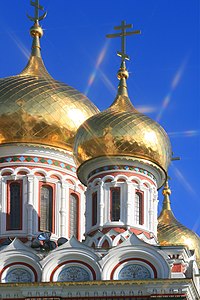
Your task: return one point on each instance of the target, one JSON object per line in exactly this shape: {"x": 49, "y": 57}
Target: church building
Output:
{"x": 79, "y": 193}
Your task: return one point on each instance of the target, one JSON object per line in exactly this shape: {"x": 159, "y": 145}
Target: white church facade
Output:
{"x": 78, "y": 194}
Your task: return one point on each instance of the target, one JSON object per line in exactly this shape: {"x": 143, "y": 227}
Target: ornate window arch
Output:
{"x": 14, "y": 205}
{"x": 73, "y": 214}
{"x": 46, "y": 208}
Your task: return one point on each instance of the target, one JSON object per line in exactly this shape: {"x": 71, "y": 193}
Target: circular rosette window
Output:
{"x": 73, "y": 271}
{"x": 16, "y": 274}
{"x": 134, "y": 270}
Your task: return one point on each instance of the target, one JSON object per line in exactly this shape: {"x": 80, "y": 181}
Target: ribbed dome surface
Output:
{"x": 122, "y": 130}
{"x": 35, "y": 108}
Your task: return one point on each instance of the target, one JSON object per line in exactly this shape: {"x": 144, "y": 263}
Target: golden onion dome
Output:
{"x": 122, "y": 130}
{"x": 35, "y": 108}
{"x": 173, "y": 233}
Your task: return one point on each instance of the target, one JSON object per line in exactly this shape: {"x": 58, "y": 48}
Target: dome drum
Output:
{"x": 92, "y": 167}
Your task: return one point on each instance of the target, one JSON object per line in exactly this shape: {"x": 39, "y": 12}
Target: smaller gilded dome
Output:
{"x": 173, "y": 233}
{"x": 122, "y": 130}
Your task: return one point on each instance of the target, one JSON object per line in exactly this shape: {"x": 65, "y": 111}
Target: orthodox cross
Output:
{"x": 37, "y": 16}
{"x": 123, "y": 34}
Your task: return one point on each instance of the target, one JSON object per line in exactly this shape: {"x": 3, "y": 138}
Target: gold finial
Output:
{"x": 36, "y": 30}
{"x": 166, "y": 193}
{"x": 166, "y": 190}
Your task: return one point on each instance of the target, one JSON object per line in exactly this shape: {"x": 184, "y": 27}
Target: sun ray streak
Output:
{"x": 175, "y": 81}
{"x": 108, "y": 83}
{"x": 187, "y": 133}
{"x": 196, "y": 225}
{"x": 99, "y": 61}
{"x": 179, "y": 175}
{"x": 19, "y": 44}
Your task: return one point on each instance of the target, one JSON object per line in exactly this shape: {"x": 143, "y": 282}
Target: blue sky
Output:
{"x": 164, "y": 68}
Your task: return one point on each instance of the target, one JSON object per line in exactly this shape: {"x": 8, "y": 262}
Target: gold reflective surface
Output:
{"x": 173, "y": 233}
{"x": 35, "y": 108}
{"x": 122, "y": 130}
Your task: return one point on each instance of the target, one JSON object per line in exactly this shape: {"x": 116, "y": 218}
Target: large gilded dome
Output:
{"x": 35, "y": 108}
{"x": 122, "y": 130}
{"x": 173, "y": 233}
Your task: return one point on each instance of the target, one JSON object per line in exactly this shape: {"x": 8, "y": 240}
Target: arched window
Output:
{"x": 14, "y": 209}
{"x": 73, "y": 215}
{"x": 115, "y": 204}
{"x": 94, "y": 208}
{"x": 46, "y": 208}
{"x": 139, "y": 208}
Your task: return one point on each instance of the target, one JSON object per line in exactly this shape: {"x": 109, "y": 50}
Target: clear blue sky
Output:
{"x": 164, "y": 68}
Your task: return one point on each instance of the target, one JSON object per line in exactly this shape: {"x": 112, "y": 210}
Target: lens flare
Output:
{"x": 19, "y": 44}
{"x": 96, "y": 68}
{"x": 145, "y": 109}
{"x": 196, "y": 225}
{"x": 108, "y": 83}
{"x": 163, "y": 107}
{"x": 179, "y": 175}
{"x": 178, "y": 75}
{"x": 175, "y": 81}
{"x": 187, "y": 133}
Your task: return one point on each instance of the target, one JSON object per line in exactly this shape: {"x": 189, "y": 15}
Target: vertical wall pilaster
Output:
{"x": 88, "y": 213}
{"x": 155, "y": 204}
{"x": 30, "y": 181}
{"x": 129, "y": 204}
{"x": 101, "y": 204}
{"x": 151, "y": 211}
{"x": 63, "y": 210}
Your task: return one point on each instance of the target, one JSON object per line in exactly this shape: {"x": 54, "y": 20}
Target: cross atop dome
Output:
{"x": 123, "y": 74}
{"x": 38, "y": 7}
{"x": 36, "y": 30}
{"x": 123, "y": 34}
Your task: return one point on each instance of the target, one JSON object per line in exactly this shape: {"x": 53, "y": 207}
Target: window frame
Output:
{"x": 71, "y": 192}
{"x": 94, "y": 208}
{"x": 111, "y": 203}
{"x": 141, "y": 207}
{"x": 8, "y": 217}
{"x": 47, "y": 184}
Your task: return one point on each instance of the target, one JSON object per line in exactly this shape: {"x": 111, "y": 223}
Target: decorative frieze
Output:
{"x": 37, "y": 160}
